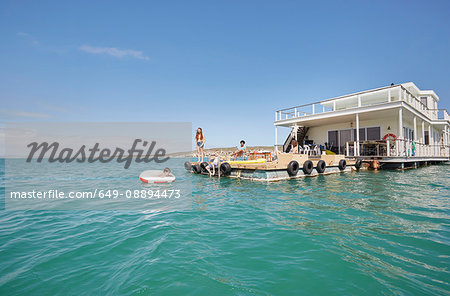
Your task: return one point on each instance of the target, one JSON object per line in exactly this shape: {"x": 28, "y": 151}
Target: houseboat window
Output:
{"x": 427, "y": 138}
{"x": 362, "y": 134}
{"x": 408, "y": 133}
{"x": 333, "y": 141}
{"x": 373, "y": 133}
{"x": 424, "y": 101}
{"x": 344, "y": 137}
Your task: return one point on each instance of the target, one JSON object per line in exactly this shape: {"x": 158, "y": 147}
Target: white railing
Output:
{"x": 397, "y": 148}
{"x": 361, "y": 99}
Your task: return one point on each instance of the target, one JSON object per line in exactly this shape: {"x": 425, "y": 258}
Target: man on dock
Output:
{"x": 241, "y": 150}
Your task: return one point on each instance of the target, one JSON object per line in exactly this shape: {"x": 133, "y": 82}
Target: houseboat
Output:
{"x": 393, "y": 127}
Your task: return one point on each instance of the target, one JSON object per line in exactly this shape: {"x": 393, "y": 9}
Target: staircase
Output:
{"x": 301, "y": 134}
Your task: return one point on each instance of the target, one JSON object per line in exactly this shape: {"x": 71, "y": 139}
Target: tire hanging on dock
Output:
{"x": 225, "y": 169}
{"x": 342, "y": 164}
{"x": 321, "y": 166}
{"x": 196, "y": 168}
{"x": 358, "y": 164}
{"x": 203, "y": 166}
{"x": 188, "y": 166}
{"x": 308, "y": 167}
{"x": 292, "y": 168}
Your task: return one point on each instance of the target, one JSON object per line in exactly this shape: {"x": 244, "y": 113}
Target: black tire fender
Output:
{"x": 203, "y": 166}
{"x": 188, "y": 166}
{"x": 358, "y": 164}
{"x": 342, "y": 164}
{"x": 308, "y": 167}
{"x": 196, "y": 168}
{"x": 292, "y": 168}
{"x": 225, "y": 169}
{"x": 321, "y": 166}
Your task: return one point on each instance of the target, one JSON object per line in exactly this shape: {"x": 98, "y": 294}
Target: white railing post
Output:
{"x": 347, "y": 146}
{"x": 334, "y": 105}
{"x": 276, "y": 139}
{"x": 388, "y": 148}
{"x": 313, "y": 111}
{"x": 389, "y": 95}
{"x": 397, "y": 148}
{"x": 359, "y": 100}
{"x": 295, "y": 112}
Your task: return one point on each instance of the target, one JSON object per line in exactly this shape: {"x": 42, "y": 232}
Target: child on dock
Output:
{"x": 213, "y": 163}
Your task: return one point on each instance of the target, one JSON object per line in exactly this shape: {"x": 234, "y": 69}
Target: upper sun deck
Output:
{"x": 423, "y": 101}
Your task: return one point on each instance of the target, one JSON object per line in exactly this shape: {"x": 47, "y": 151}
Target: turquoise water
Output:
{"x": 358, "y": 233}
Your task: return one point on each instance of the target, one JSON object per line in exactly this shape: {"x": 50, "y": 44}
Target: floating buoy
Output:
{"x": 154, "y": 176}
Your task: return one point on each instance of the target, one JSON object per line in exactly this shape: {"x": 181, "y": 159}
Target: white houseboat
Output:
{"x": 397, "y": 126}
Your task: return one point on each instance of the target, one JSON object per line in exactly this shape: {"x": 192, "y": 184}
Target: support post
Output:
{"x": 429, "y": 140}
{"x": 357, "y": 135}
{"x": 400, "y": 128}
{"x": 313, "y": 110}
{"x": 388, "y": 148}
{"x": 415, "y": 129}
{"x": 276, "y": 139}
{"x": 334, "y": 105}
{"x": 359, "y": 100}
{"x": 389, "y": 95}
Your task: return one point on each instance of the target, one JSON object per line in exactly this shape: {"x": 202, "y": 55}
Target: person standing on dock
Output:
{"x": 200, "y": 144}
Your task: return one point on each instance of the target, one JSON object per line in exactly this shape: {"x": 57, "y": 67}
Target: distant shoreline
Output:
{"x": 210, "y": 151}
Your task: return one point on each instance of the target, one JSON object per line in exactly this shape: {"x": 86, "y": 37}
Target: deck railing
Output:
{"x": 442, "y": 114}
{"x": 397, "y": 148}
{"x": 366, "y": 98}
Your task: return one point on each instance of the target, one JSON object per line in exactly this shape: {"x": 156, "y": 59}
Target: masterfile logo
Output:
{"x": 83, "y": 154}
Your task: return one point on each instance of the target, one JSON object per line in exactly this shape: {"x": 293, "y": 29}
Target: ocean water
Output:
{"x": 359, "y": 233}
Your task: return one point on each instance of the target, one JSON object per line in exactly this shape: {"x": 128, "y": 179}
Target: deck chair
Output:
{"x": 307, "y": 150}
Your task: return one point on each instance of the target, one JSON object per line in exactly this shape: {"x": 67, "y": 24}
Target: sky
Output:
{"x": 225, "y": 66}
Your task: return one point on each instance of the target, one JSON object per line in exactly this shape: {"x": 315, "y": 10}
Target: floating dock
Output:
{"x": 286, "y": 166}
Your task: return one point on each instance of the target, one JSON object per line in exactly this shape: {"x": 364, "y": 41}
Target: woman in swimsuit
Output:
{"x": 200, "y": 143}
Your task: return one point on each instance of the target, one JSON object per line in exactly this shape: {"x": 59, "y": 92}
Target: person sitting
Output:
{"x": 213, "y": 163}
{"x": 294, "y": 146}
{"x": 240, "y": 150}
{"x": 165, "y": 173}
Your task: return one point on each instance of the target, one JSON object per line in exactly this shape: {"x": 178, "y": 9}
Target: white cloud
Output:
{"x": 115, "y": 52}
{"x": 28, "y": 37}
